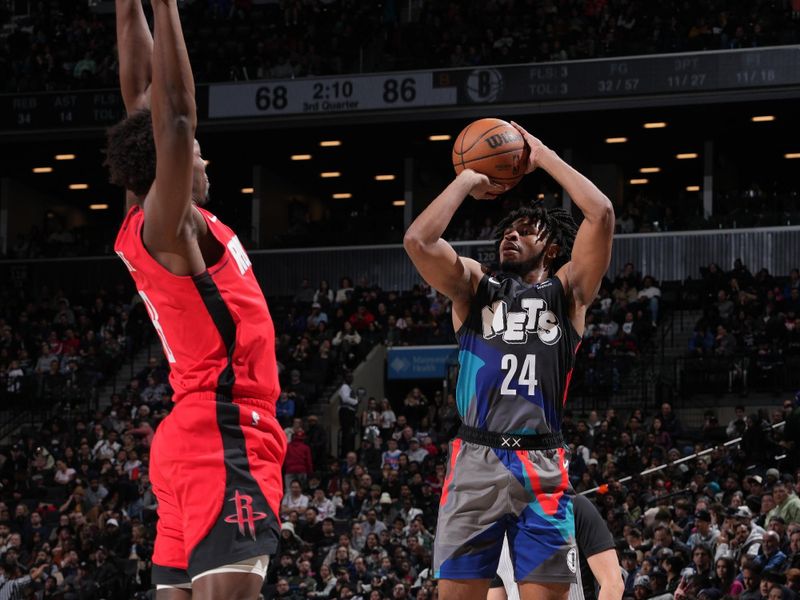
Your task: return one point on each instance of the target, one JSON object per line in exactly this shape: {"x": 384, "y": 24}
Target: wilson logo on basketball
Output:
{"x": 245, "y": 517}
{"x": 499, "y": 139}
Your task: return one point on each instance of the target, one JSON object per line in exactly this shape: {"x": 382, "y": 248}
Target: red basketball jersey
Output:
{"x": 215, "y": 327}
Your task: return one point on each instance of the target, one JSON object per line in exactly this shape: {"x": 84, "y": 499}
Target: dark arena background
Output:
{"x": 327, "y": 127}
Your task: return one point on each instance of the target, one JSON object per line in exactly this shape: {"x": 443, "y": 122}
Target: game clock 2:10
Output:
{"x": 394, "y": 90}
{"x": 333, "y": 91}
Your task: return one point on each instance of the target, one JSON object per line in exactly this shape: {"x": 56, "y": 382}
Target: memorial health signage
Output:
{"x": 420, "y": 362}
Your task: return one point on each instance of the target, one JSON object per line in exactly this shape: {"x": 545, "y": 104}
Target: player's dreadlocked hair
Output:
{"x": 559, "y": 228}
{"x": 131, "y": 153}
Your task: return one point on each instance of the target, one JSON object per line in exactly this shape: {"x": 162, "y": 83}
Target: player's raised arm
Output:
{"x": 591, "y": 252}
{"x": 168, "y": 206}
{"x": 435, "y": 259}
{"x": 135, "y": 50}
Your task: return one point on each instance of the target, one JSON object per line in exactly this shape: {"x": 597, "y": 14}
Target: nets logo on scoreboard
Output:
{"x": 484, "y": 85}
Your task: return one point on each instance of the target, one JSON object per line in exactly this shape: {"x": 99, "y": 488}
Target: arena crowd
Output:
{"x": 58, "y": 45}
{"x": 77, "y": 518}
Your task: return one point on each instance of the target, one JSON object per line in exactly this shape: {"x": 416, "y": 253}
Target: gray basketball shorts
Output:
{"x": 490, "y": 493}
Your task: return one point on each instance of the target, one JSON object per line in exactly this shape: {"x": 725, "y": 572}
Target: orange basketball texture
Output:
{"x": 492, "y": 147}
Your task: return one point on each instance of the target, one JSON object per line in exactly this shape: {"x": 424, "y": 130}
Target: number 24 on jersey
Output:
{"x": 517, "y": 376}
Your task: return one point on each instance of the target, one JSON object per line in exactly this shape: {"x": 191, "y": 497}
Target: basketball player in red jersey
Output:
{"x": 216, "y": 459}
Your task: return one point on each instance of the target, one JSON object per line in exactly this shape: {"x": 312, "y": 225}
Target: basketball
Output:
{"x": 492, "y": 147}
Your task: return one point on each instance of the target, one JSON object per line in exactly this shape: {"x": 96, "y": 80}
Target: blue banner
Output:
{"x": 420, "y": 362}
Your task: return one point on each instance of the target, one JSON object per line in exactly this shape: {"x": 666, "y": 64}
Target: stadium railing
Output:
{"x": 670, "y": 256}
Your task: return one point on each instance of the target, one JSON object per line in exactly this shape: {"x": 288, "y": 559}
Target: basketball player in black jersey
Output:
{"x": 518, "y": 331}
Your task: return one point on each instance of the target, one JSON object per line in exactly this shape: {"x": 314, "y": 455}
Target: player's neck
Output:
{"x": 529, "y": 276}
{"x": 535, "y": 276}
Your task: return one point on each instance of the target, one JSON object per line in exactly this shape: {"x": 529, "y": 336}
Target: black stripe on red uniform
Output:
{"x": 223, "y": 321}
{"x": 246, "y": 527}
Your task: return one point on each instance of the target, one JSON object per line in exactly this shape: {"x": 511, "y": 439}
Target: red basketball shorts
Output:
{"x": 215, "y": 467}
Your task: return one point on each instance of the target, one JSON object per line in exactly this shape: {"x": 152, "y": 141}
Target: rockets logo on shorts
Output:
{"x": 515, "y": 326}
{"x": 245, "y": 517}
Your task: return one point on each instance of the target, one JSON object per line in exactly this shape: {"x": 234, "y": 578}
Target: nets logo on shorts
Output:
{"x": 245, "y": 517}
{"x": 572, "y": 560}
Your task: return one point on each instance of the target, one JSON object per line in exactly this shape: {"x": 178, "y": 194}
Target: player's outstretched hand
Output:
{"x": 480, "y": 186}
{"x": 535, "y": 147}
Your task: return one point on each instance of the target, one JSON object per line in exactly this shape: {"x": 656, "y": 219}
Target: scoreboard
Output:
{"x": 518, "y": 84}
{"x": 551, "y": 82}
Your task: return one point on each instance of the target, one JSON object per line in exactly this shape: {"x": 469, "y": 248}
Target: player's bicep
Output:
{"x": 591, "y": 255}
{"x": 168, "y": 206}
{"x": 442, "y": 268}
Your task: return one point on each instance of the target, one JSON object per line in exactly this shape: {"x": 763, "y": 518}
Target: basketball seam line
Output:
{"x": 463, "y": 137}
{"x": 492, "y": 155}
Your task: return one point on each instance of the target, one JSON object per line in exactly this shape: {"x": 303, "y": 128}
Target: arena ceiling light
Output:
{"x": 686, "y": 155}
{"x": 641, "y": 181}
{"x": 792, "y": 155}
{"x": 42, "y": 169}
{"x": 342, "y": 196}
{"x": 330, "y": 174}
{"x": 330, "y": 143}
{"x": 655, "y": 125}
{"x": 98, "y": 206}
{"x": 650, "y": 170}
{"x": 248, "y": 190}
{"x": 763, "y": 118}
{"x": 540, "y": 196}
{"x": 65, "y": 157}
{"x": 692, "y": 188}
{"x": 442, "y": 137}
{"x": 616, "y": 140}
{"x": 399, "y": 203}
{"x": 79, "y": 186}
{"x": 385, "y": 177}
{"x": 301, "y": 157}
